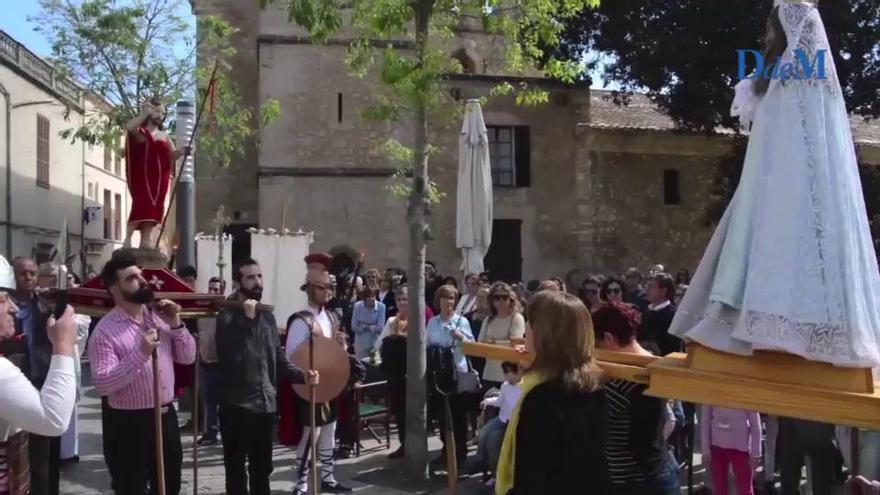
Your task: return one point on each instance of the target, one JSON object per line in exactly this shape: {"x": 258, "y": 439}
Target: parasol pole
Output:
{"x": 187, "y": 151}
{"x": 158, "y": 430}
{"x": 313, "y": 436}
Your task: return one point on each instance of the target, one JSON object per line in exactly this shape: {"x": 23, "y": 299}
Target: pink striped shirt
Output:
{"x": 120, "y": 369}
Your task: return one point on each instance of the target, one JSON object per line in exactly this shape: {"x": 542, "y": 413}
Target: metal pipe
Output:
{"x": 186, "y": 248}
{"x": 8, "y": 100}
{"x": 82, "y": 206}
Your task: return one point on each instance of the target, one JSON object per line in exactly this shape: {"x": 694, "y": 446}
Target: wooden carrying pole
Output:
{"x": 158, "y": 430}
{"x": 771, "y": 383}
{"x": 619, "y": 365}
{"x": 313, "y": 434}
{"x": 195, "y": 420}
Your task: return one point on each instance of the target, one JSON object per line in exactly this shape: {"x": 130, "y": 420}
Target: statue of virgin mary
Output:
{"x": 791, "y": 266}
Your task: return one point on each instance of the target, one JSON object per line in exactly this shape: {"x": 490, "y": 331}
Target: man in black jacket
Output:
{"x": 44, "y": 452}
{"x": 660, "y": 291}
{"x": 249, "y": 360}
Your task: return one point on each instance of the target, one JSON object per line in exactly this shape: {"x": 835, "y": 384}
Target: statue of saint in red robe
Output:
{"x": 149, "y": 157}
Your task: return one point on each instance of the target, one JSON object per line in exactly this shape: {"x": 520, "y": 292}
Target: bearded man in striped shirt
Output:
{"x": 119, "y": 353}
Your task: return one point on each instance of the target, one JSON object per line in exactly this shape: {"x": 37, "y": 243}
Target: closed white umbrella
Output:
{"x": 59, "y": 253}
{"x": 474, "y": 194}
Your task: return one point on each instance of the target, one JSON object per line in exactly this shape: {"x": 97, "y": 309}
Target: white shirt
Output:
{"x": 465, "y": 304}
{"x": 660, "y": 306}
{"x": 299, "y": 331}
{"x": 46, "y": 412}
{"x": 506, "y": 400}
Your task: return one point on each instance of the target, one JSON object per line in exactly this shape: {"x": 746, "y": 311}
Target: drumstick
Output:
{"x": 157, "y": 416}
{"x": 313, "y": 437}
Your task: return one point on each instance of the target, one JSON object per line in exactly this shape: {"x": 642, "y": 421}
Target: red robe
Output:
{"x": 148, "y": 167}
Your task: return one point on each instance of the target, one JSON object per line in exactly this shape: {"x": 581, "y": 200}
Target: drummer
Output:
{"x": 250, "y": 360}
{"x": 325, "y": 323}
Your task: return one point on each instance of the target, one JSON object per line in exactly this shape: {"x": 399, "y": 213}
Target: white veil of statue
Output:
{"x": 791, "y": 266}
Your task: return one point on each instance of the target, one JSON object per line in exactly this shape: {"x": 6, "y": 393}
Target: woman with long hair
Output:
{"x": 373, "y": 280}
{"x": 521, "y": 294}
{"x": 469, "y": 297}
{"x": 505, "y": 322}
{"x": 555, "y": 440}
{"x": 614, "y": 291}
{"x": 391, "y": 347}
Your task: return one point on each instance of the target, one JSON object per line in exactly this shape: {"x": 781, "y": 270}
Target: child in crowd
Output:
{"x": 491, "y": 436}
{"x": 730, "y": 438}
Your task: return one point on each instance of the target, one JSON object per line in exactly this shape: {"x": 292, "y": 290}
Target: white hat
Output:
{"x": 7, "y": 275}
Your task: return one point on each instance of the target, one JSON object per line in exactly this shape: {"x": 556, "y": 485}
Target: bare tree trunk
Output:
{"x": 416, "y": 391}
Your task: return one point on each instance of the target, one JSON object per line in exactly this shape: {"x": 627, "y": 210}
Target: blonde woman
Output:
{"x": 505, "y": 322}
{"x": 444, "y": 336}
{"x": 555, "y": 440}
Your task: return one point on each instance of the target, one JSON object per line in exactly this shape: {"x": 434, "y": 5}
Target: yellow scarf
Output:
{"x": 504, "y": 472}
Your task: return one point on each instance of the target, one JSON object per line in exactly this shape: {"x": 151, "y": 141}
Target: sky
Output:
{"x": 16, "y": 13}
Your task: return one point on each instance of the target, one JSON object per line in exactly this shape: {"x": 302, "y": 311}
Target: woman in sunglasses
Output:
{"x": 613, "y": 291}
{"x": 505, "y": 322}
{"x": 589, "y": 293}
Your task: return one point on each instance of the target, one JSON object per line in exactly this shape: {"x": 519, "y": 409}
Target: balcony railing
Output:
{"x": 17, "y": 54}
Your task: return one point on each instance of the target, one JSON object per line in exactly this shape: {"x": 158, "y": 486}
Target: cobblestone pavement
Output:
{"x": 370, "y": 474}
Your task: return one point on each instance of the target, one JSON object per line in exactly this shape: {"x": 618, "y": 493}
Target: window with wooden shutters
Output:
{"x": 501, "y": 156}
{"x": 108, "y": 158}
{"x": 117, "y": 217}
{"x": 117, "y": 157}
{"x": 509, "y": 154}
{"x": 108, "y": 214}
{"x": 522, "y": 155}
{"x": 42, "y": 151}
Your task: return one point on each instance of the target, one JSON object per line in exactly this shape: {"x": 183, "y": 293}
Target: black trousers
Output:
{"x": 130, "y": 450}
{"x": 109, "y": 456}
{"x": 397, "y": 400}
{"x": 247, "y": 437}
{"x": 346, "y": 422}
{"x": 800, "y": 438}
{"x": 44, "y": 456}
{"x": 458, "y": 405}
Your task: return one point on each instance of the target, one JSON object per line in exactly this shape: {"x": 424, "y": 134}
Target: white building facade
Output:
{"x": 44, "y": 178}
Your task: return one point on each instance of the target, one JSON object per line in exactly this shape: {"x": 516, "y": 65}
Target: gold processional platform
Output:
{"x": 767, "y": 382}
